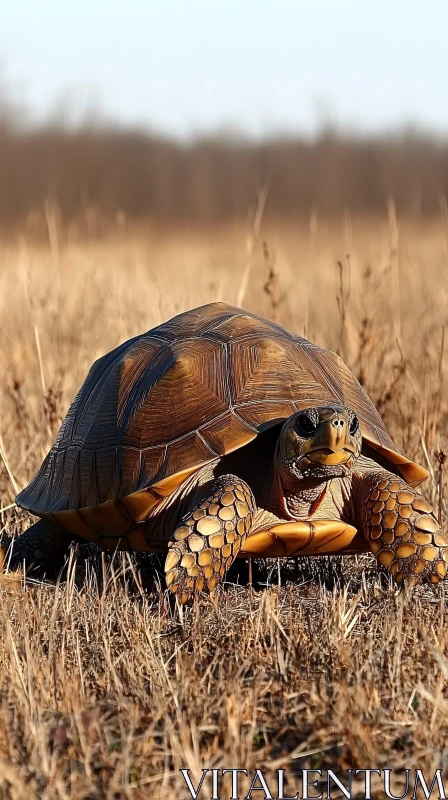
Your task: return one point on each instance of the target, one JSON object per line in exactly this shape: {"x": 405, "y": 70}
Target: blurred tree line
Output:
{"x": 136, "y": 174}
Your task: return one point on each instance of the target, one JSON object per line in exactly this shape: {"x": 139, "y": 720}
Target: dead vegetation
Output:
{"x": 106, "y": 690}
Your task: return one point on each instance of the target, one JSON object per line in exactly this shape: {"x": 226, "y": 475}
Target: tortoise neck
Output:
{"x": 304, "y": 498}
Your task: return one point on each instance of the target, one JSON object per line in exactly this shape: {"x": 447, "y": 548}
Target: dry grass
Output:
{"x": 106, "y": 691}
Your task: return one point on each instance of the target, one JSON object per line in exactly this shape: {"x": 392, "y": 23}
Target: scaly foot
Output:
{"x": 209, "y": 537}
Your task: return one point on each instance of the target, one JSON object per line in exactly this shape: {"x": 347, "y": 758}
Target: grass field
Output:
{"x": 105, "y": 690}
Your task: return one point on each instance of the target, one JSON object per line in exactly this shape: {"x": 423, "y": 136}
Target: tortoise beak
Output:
{"x": 332, "y": 444}
{"x": 328, "y": 457}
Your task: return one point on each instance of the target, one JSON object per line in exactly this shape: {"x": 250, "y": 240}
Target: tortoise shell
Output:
{"x": 163, "y": 404}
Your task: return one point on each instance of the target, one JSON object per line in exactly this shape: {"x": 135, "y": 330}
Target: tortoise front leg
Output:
{"x": 401, "y": 529}
{"x": 208, "y": 538}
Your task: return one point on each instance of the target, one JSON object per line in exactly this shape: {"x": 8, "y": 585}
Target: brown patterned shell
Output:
{"x": 164, "y": 403}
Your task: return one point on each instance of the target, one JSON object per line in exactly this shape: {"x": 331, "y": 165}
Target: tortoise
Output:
{"x": 220, "y": 434}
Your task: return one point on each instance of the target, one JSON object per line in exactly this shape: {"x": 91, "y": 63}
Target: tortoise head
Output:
{"x": 320, "y": 442}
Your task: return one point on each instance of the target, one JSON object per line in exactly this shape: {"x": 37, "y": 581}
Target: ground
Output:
{"x": 107, "y": 690}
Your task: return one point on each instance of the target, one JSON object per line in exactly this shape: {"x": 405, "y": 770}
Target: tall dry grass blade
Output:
{"x": 252, "y": 240}
{"x": 394, "y": 258}
{"x": 53, "y": 220}
{"x": 9, "y": 471}
{"x": 40, "y": 360}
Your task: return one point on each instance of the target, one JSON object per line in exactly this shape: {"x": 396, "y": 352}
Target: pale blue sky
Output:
{"x": 194, "y": 65}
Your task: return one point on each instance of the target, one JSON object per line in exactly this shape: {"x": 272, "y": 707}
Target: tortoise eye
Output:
{"x": 354, "y": 426}
{"x": 305, "y": 426}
